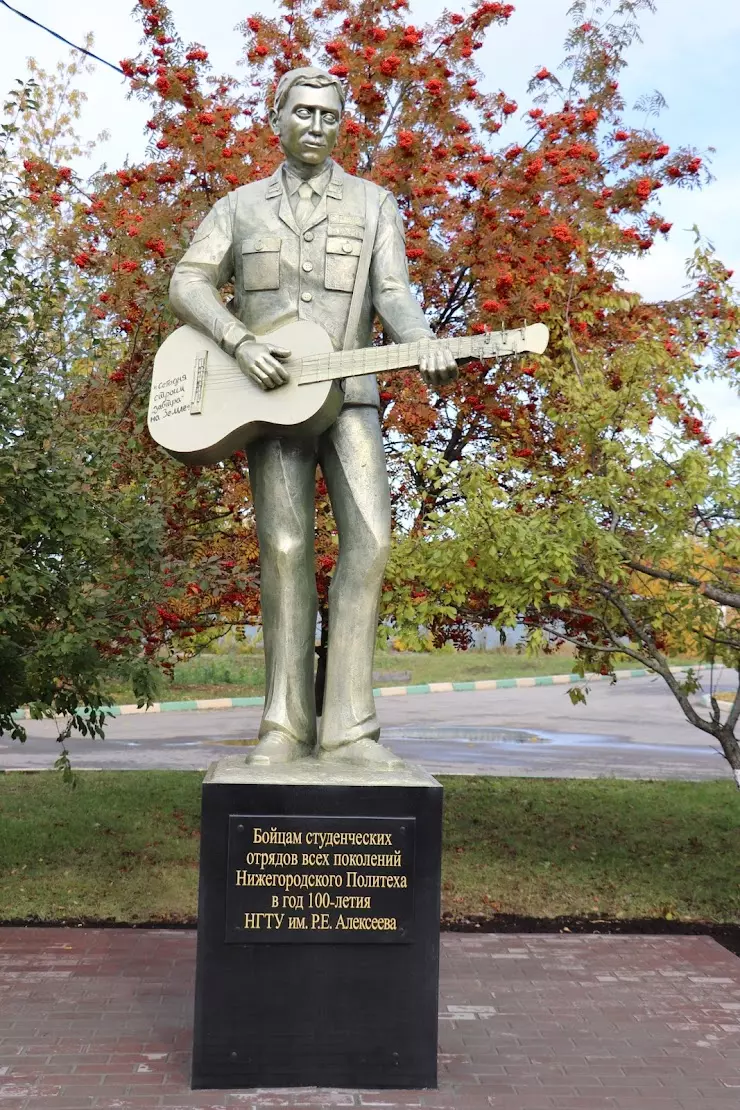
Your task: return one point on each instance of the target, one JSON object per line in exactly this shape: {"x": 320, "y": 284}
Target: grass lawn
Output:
{"x": 239, "y": 676}
{"x": 123, "y": 846}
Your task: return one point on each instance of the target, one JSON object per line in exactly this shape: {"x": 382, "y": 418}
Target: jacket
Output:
{"x": 282, "y": 273}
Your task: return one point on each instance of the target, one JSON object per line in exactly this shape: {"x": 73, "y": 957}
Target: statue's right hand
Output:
{"x": 259, "y": 361}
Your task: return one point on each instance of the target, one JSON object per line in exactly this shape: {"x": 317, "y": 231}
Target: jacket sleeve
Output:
{"x": 205, "y": 267}
{"x": 395, "y": 304}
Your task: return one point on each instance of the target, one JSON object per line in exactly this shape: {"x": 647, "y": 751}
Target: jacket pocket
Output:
{"x": 350, "y": 225}
{"x": 261, "y": 263}
{"x": 342, "y": 254}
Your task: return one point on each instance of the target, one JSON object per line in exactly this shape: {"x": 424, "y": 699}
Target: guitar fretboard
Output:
{"x": 377, "y": 360}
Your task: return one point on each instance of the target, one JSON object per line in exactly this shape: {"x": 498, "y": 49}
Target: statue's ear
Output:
{"x": 274, "y": 121}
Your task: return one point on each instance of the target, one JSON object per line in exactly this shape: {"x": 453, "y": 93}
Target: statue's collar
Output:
{"x": 335, "y": 188}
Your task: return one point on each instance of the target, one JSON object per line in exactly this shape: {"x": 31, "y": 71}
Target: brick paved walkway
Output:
{"x": 100, "y": 1020}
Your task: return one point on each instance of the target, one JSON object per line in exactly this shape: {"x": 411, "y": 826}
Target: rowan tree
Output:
{"x": 499, "y": 232}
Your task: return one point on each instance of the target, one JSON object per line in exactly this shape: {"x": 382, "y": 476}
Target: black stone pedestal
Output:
{"x": 318, "y": 927}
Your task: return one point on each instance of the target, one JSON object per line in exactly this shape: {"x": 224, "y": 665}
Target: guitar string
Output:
{"x": 324, "y": 371}
{"x": 230, "y": 379}
{"x": 313, "y": 369}
{"x": 224, "y": 378}
{"x": 321, "y": 372}
{"x": 344, "y": 364}
{"x": 309, "y": 376}
{"x": 318, "y": 368}
{"x": 233, "y": 373}
{"x": 394, "y": 355}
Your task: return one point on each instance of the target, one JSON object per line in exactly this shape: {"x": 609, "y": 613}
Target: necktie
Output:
{"x": 305, "y": 206}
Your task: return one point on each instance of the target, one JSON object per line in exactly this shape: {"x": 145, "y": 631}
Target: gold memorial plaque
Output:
{"x": 320, "y": 880}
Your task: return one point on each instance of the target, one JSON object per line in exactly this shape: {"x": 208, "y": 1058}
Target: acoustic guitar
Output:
{"x": 202, "y": 407}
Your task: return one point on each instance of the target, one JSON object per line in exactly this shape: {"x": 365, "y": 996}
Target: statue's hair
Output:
{"x": 306, "y": 75}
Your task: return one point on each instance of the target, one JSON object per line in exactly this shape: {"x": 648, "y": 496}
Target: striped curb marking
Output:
{"x": 381, "y": 692}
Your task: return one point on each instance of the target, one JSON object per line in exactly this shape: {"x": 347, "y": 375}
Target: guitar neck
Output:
{"x": 378, "y": 360}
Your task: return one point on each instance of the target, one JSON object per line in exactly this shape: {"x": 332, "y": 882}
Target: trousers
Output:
{"x": 282, "y": 475}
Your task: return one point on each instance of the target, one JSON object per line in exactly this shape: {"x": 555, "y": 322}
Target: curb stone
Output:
{"x": 382, "y": 692}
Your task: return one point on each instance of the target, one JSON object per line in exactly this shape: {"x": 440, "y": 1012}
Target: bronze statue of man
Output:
{"x": 292, "y": 244}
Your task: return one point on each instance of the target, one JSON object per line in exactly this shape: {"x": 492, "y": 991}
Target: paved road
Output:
{"x": 631, "y": 730}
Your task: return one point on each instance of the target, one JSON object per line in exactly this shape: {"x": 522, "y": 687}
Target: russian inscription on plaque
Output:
{"x": 320, "y": 879}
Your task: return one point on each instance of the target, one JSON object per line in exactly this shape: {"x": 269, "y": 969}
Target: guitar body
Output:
{"x": 202, "y": 407}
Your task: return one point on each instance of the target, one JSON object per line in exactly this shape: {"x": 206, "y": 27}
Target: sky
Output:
{"x": 688, "y": 52}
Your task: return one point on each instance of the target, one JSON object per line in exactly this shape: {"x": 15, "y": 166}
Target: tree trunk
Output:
{"x": 731, "y": 749}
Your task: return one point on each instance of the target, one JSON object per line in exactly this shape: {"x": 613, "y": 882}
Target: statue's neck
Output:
{"x": 304, "y": 170}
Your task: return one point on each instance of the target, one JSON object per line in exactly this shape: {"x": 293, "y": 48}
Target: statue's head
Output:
{"x": 306, "y": 114}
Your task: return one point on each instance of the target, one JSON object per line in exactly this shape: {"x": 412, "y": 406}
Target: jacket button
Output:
{"x": 259, "y": 245}
{"x": 347, "y": 247}
{"x": 306, "y": 296}
{"x": 308, "y": 236}
{"x": 308, "y": 266}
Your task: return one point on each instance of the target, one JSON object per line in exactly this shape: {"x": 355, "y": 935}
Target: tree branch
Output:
{"x": 714, "y": 593}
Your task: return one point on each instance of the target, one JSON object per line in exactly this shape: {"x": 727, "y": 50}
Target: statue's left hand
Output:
{"x": 438, "y": 367}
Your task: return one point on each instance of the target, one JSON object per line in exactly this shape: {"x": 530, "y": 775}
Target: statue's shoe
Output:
{"x": 362, "y": 753}
{"x": 278, "y": 748}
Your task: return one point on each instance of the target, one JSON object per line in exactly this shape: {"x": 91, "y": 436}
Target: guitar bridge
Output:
{"x": 199, "y": 383}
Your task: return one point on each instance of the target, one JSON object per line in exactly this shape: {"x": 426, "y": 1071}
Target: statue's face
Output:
{"x": 308, "y": 123}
